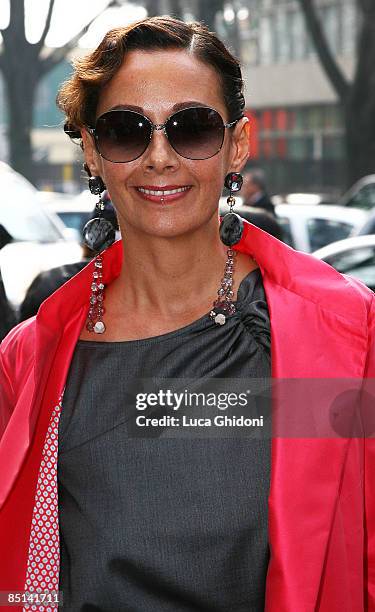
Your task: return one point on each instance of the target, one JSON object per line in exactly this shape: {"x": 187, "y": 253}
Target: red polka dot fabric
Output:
{"x": 42, "y": 575}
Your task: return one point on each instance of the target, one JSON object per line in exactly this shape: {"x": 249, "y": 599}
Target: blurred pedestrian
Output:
{"x": 254, "y": 191}
{"x": 7, "y": 315}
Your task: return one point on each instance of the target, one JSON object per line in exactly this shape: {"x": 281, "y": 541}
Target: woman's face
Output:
{"x": 156, "y": 81}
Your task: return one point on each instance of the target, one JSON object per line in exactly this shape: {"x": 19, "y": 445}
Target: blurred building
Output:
{"x": 297, "y": 124}
{"x": 58, "y": 162}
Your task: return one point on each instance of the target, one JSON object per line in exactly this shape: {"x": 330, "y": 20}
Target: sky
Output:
{"x": 69, "y": 16}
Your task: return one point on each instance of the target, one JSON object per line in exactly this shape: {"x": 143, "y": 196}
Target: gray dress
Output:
{"x": 163, "y": 523}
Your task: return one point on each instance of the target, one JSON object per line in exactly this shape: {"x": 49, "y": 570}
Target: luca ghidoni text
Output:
{"x": 185, "y": 421}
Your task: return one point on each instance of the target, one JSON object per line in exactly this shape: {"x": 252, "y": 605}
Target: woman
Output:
{"x": 179, "y": 524}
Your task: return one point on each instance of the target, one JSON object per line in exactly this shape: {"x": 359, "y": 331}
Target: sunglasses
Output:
{"x": 194, "y": 133}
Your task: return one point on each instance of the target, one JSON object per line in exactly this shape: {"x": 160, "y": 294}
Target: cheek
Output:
{"x": 209, "y": 173}
{"x": 115, "y": 176}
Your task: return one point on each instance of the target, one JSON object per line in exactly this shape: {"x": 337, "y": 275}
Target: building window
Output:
{"x": 280, "y": 29}
{"x": 310, "y": 132}
{"x": 266, "y": 33}
{"x": 300, "y": 147}
{"x": 333, "y": 147}
{"x": 282, "y": 37}
{"x": 349, "y": 27}
{"x": 331, "y": 20}
{"x": 302, "y": 46}
{"x": 333, "y": 118}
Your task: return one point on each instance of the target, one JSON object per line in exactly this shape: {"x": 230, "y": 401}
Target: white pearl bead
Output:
{"x": 99, "y": 327}
{"x": 220, "y": 319}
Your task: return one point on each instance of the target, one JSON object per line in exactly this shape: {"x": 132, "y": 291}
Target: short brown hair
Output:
{"x": 78, "y": 96}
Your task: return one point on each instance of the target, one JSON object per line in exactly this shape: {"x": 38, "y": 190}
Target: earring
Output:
{"x": 98, "y": 234}
{"x": 231, "y": 229}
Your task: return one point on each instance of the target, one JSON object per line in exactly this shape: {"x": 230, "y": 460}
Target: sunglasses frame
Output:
{"x": 157, "y": 127}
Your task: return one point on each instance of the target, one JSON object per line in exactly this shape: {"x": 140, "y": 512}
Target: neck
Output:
{"x": 171, "y": 277}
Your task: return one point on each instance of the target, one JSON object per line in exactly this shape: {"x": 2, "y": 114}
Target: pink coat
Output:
{"x": 322, "y": 499}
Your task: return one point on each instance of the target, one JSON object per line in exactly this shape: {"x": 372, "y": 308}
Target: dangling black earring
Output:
{"x": 231, "y": 227}
{"x": 98, "y": 234}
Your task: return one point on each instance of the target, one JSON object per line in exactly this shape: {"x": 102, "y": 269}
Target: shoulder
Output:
{"x": 305, "y": 278}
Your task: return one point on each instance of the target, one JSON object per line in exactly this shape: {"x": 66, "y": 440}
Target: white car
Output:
{"x": 361, "y": 194}
{"x": 309, "y": 227}
{"x": 354, "y": 256}
{"x": 303, "y": 199}
{"x": 38, "y": 241}
{"x": 73, "y": 210}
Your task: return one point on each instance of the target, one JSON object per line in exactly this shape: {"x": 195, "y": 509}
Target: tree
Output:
{"x": 357, "y": 97}
{"x": 23, "y": 65}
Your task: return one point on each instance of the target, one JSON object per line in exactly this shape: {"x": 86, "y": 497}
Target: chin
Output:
{"x": 170, "y": 225}
{"x": 172, "y": 229}
{"x": 169, "y": 232}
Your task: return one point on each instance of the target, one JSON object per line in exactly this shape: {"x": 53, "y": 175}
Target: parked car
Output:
{"x": 308, "y": 228}
{"x": 361, "y": 195}
{"x": 73, "y": 210}
{"x": 354, "y": 256}
{"x": 36, "y": 239}
{"x": 303, "y": 199}
{"x": 368, "y": 227}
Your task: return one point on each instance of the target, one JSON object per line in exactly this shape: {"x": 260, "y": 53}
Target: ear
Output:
{"x": 240, "y": 149}
{"x": 92, "y": 157}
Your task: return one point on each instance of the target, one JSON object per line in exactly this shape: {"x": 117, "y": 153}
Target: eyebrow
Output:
{"x": 175, "y": 107}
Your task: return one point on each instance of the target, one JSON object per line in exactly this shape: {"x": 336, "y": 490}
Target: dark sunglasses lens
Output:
{"x": 122, "y": 136}
{"x": 196, "y": 133}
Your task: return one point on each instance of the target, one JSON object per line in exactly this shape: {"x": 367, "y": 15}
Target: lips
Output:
{"x": 163, "y": 194}
{"x": 163, "y": 191}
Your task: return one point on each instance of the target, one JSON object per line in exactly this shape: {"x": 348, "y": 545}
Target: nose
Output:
{"x": 160, "y": 155}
